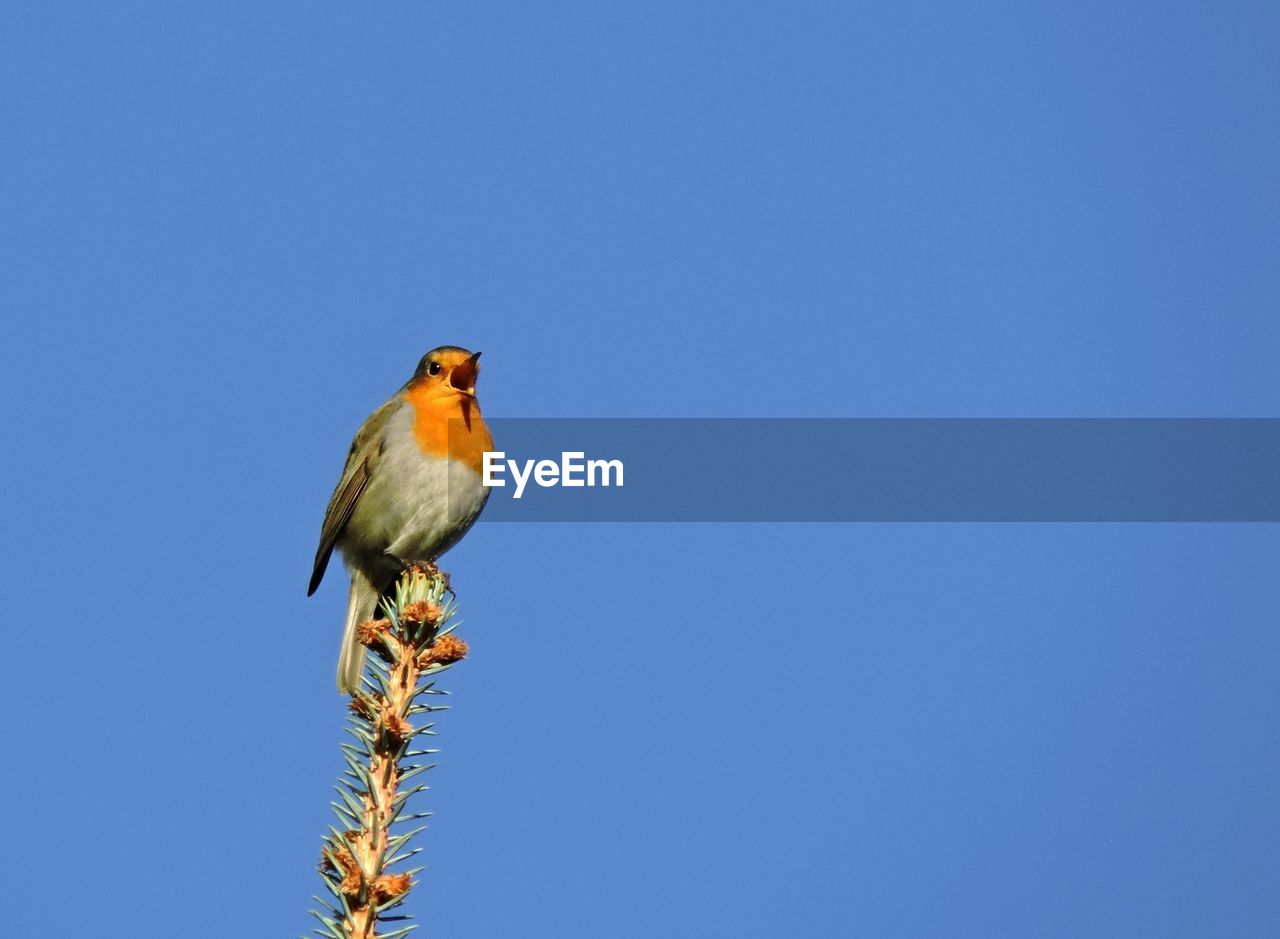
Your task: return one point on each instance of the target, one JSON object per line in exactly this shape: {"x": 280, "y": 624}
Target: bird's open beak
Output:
{"x": 463, "y": 376}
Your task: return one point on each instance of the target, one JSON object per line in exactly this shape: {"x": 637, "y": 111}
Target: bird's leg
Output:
{"x": 431, "y": 567}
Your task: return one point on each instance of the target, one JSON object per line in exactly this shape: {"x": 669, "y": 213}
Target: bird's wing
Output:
{"x": 361, "y": 460}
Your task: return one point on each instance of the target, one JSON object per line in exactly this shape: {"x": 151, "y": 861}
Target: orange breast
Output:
{"x": 449, "y": 425}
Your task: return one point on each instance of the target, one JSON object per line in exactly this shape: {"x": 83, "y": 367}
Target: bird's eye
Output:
{"x": 433, "y": 368}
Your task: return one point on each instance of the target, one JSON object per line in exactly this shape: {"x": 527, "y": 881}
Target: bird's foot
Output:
{"x": 431, "y": 568}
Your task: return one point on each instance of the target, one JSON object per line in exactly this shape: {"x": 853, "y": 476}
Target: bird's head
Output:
{"x": 448, "y": 371}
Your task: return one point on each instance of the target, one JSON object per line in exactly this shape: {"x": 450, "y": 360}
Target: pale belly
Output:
{"x": 414, "y": 508}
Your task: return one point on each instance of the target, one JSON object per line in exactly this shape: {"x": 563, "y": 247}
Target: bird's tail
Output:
{"x": 362, "y": 603}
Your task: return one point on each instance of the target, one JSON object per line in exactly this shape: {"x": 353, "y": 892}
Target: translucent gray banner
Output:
{"x": 885, "y": 470}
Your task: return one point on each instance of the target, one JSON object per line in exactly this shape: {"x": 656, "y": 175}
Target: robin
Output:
{"x": 409, "y": 491}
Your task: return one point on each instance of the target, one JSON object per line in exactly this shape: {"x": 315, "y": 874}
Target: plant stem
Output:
{"x": 409, "y": 646}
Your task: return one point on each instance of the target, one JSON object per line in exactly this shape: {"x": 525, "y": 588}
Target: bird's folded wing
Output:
{"x": 361, "y": 460}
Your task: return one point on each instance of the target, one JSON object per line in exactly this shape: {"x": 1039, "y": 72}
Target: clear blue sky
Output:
{"x": 230, "y": 231}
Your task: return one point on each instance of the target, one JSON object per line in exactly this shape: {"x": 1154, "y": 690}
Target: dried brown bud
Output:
{"x": 445, "y": 650}
{"x": 346, "y": 864}
{"x": 372, "y": 630}
{"x": 423, "y": 612}
{"x": 389, "y": 886}
{"x": 395, "y": 726}
{"x": 360, "y": 706}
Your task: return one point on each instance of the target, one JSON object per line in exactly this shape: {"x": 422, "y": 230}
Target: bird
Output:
{"x": 410, "y": 489}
